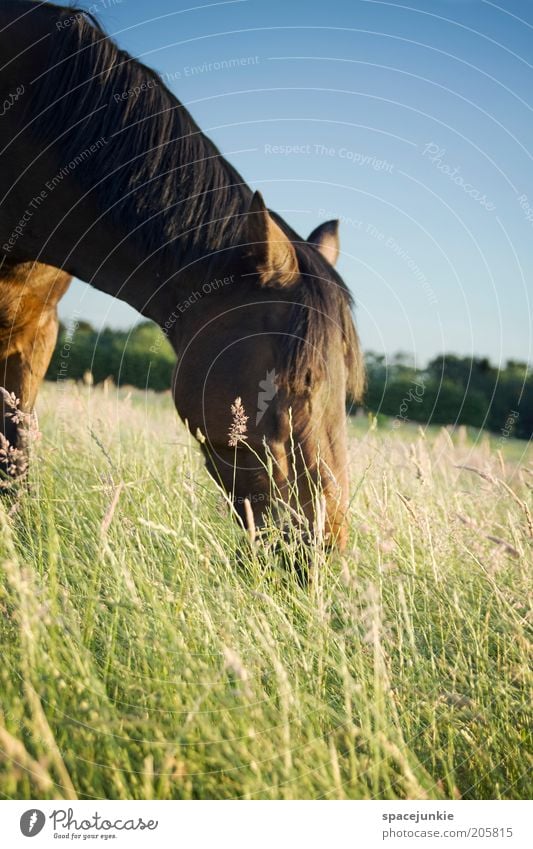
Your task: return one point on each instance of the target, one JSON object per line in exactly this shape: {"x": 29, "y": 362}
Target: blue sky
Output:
{"x": 411, "y": 122}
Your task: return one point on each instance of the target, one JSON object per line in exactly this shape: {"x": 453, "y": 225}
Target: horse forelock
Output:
{"x": 322, "y": 311}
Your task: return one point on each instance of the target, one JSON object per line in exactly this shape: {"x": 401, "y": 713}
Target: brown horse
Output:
{"x": 104, "y": 175}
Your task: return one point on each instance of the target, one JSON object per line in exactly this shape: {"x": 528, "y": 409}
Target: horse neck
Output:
{"x": 136, "y": 195}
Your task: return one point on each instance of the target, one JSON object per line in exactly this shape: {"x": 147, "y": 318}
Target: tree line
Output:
{"x": 453, "y": 390}
{"x": 449, "y": 390}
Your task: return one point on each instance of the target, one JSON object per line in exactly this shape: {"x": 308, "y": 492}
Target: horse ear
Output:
{"x": 325, "y": 238}
{"x": 277, "y": 261}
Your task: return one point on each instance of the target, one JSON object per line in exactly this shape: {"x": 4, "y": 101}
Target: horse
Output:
{"x": 105, "y": 176}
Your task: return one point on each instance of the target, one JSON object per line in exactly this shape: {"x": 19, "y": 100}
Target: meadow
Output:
{"x": 149, "y": 652}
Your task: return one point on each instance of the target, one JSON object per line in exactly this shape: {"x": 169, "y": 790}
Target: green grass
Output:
{"x": 147, "y": 653}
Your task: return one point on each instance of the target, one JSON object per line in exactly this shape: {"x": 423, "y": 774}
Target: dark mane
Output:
{"x": 157, "y": 168}
{"x": 161, "y": 177}
{"x": 323, "y": 305}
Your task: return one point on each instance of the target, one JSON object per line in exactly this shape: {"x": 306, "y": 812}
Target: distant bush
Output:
{"x": 453, "y": 390}
{"x": 139, "y": 357}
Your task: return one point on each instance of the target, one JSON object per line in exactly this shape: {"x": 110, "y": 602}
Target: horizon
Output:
{"x": 392, "y": 358}
{"x": 407, "y": 123}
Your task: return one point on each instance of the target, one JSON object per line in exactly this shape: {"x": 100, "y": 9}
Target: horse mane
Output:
{"x": 159, "y": 175}
{"x": 322, "y": 306}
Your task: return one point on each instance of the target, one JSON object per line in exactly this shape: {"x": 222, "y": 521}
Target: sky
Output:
{"x": 410, "y": 122}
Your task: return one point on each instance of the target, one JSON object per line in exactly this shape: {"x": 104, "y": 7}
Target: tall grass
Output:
{"x": 149, "y": 653}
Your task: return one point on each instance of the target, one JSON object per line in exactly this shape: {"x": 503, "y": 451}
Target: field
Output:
{"x": 149, "y": 653}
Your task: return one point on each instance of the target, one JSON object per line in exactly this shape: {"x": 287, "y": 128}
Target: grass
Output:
{"x": 147, "y": 654}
